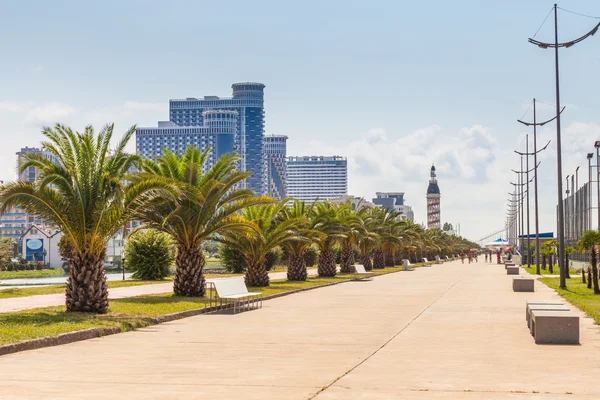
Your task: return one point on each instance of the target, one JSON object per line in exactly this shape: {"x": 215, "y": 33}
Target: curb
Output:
{"x": 92, "y": 333}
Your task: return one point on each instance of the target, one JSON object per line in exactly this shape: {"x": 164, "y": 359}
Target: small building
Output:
{"x": 356, "y": 202}
{"x": 394, "y": 201}
{"x": 41, "y": 244}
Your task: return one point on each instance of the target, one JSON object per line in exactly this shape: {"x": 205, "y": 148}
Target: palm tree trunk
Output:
{"x": 189, "y": 272}
{"x": 595, "y": 272}
{"x": 347, "y": 261}
{"x": 257, "y": 275}
{"x": 379, "y": 259}
{"x": 544, "y": 262}
{"x": 326, "y": 263}
{"x": 589, "y": 282}
{"x": 365, "y": 260}
{"x": 389, "y": 258}
{"x": 397, "y": 258}
{"x": 297, "y": 268}
{"x": 567, "y": 275}
{"x": 582, "y": 275}
{"x": 86, "y": 287}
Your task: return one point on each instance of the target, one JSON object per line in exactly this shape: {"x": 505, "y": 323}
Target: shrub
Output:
{"x": 149, "y": 254}
{"x": 311, "y": 255}
{"x": 232, "y": 260}
{"x": 273, "y": 257}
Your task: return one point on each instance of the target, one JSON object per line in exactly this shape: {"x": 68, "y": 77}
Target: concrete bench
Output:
{"x": 529, "y": 303}
{"x": 523, "y": 284}
{"x": 425, "y": 260}
{"x": 234, "y": 291}
{"x": 360, "y": 270}
{"x": 543, "y": 307}
{"x": 556, "y": 327}
{"x": 512, "y": 270}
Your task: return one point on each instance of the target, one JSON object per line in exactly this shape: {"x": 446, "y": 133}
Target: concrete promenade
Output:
{"x": 48, "y": 300}
{"x": 452, "y": 331}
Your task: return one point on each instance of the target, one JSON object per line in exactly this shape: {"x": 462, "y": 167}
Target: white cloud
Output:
{"x": 15, "y": 107}
{"x": 37, "y": 68}
{"x": 49, "y": 114}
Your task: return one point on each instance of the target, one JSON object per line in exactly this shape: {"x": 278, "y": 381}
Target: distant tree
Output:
{"x": 6, "y": 251}
{"x": 588, "y": 242}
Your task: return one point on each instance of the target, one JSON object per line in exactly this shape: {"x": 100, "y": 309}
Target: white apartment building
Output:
{"x": 311, "y": 178}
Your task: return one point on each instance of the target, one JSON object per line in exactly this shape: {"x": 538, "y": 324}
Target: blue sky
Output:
{"x": 393, "y": 85}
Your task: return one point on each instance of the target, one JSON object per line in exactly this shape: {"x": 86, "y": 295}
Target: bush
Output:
{"x": 273, "y": 257}
{"x": 232, "y": 260}
{"x": 149, "y": 254}
{"x": 311, "y": 255}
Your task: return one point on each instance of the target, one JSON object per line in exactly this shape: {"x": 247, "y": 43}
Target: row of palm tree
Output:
{"x": 91, "y": 194}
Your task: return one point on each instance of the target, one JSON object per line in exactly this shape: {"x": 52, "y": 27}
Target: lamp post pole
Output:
{"x": 589, "y": 191}
{"x": 561, "y": 226}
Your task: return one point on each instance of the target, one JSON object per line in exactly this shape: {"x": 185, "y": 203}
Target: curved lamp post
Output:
{"x": 561, "y": 223}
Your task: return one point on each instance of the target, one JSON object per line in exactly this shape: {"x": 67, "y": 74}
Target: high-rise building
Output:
{"x": 217, "y": 131}
{"x": 31, "y": 173}
{"x": 433, "y": 202}
{"x": 248, "y": 100}
{"x": 312, "y": 178}
{"x": 394, "y": 201}
{"x": 274, "y": 147}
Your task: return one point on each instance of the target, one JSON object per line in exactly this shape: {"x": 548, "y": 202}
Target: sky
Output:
{"x": 393, "y": 85}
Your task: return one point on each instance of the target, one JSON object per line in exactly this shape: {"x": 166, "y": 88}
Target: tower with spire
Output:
{"x": 433, "y": 202}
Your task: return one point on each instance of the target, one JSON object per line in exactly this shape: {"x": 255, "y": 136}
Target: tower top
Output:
{"x": 433, "y": 187}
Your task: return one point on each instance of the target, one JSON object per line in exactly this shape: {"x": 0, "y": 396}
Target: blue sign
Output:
{"x": 34, "y": 249}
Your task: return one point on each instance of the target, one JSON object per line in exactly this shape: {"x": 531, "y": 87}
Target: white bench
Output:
{"x": 360, "y": 270}
{"x": 425, "y": 260}
{"x": 234, "y": 291}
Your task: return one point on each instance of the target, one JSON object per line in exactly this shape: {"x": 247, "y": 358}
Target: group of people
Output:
{"x": 473, "y": 256}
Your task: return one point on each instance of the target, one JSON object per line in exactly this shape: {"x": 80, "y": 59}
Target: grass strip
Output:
{"x": 44, "y": 273}
{"x": 577, "y": 294}
{"x": 134, "y": 312}
{"x": 531, "y": 270}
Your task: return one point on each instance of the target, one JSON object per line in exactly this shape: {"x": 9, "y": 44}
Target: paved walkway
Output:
{"x": 48, "y": 300}
{"x": 452, "y": 331}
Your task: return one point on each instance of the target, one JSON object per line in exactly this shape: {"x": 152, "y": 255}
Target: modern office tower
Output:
{"x": 31, "y": 173}
{"x": 274, "y": 147}
{"x": 394, "y": 201}
{"x": 248, "y": 101}
{"x": 218, "y": 132}
{"x": 312, "y": 178}
{"x": 433, "y": 202}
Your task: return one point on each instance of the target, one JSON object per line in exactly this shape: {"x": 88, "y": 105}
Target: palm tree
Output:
{"x": 208, "y": 206}
{"x": 326, "y": 220}
{"x": 269, "y": 233}
{"x": 353, "y": 228}
{"x": 386, "y": 229}
{"x": 367, "y": 239}
{"x": 568, "y": 250}
{"x": 588, "y": 242}
{"x": 299, "y": 211}
{"x": 85, "y": 196}
{"x": 549, "y": 250}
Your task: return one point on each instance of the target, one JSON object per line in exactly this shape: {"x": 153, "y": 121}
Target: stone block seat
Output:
{"x": 523, "y": 284}
{"x": 512, "y": 270}
{"x": 543, "y": 307}
{"x": 555, "y": 327}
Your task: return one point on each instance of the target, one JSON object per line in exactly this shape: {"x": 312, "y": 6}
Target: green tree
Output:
{"x": 588, "y": 242}
{"x": 6, "y": 252}
{"x": 270, "y": 231}
{"x": 86, "y": 197}
{"x": 301, "y": 214}
{"x": 149, "y": 254}
{"x": 568, "y": 251}
{"x": 326, "y": 220}
{"x": 207, "y": 206}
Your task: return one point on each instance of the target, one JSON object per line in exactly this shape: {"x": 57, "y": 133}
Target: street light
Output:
{"x": 561, "y": 226}
{"x": 589, "y": 221}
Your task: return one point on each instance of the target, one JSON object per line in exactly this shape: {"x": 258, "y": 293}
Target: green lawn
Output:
{"x": 546, "y": 271}
{"x": 44, "y": 273}
{"x": 577, "y": 294}
{"x": 130, "y": 313}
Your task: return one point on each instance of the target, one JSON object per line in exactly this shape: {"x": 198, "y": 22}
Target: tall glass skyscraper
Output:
{"x": 276, "y": 169}
{"x": 248, "y": 101}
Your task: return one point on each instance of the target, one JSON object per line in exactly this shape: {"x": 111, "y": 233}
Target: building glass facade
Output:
{"x": 312, "y": 178}
{"x": 218, "y": 132}
{"x": 275, "y": 149}
{"x": 248, "y": 101}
